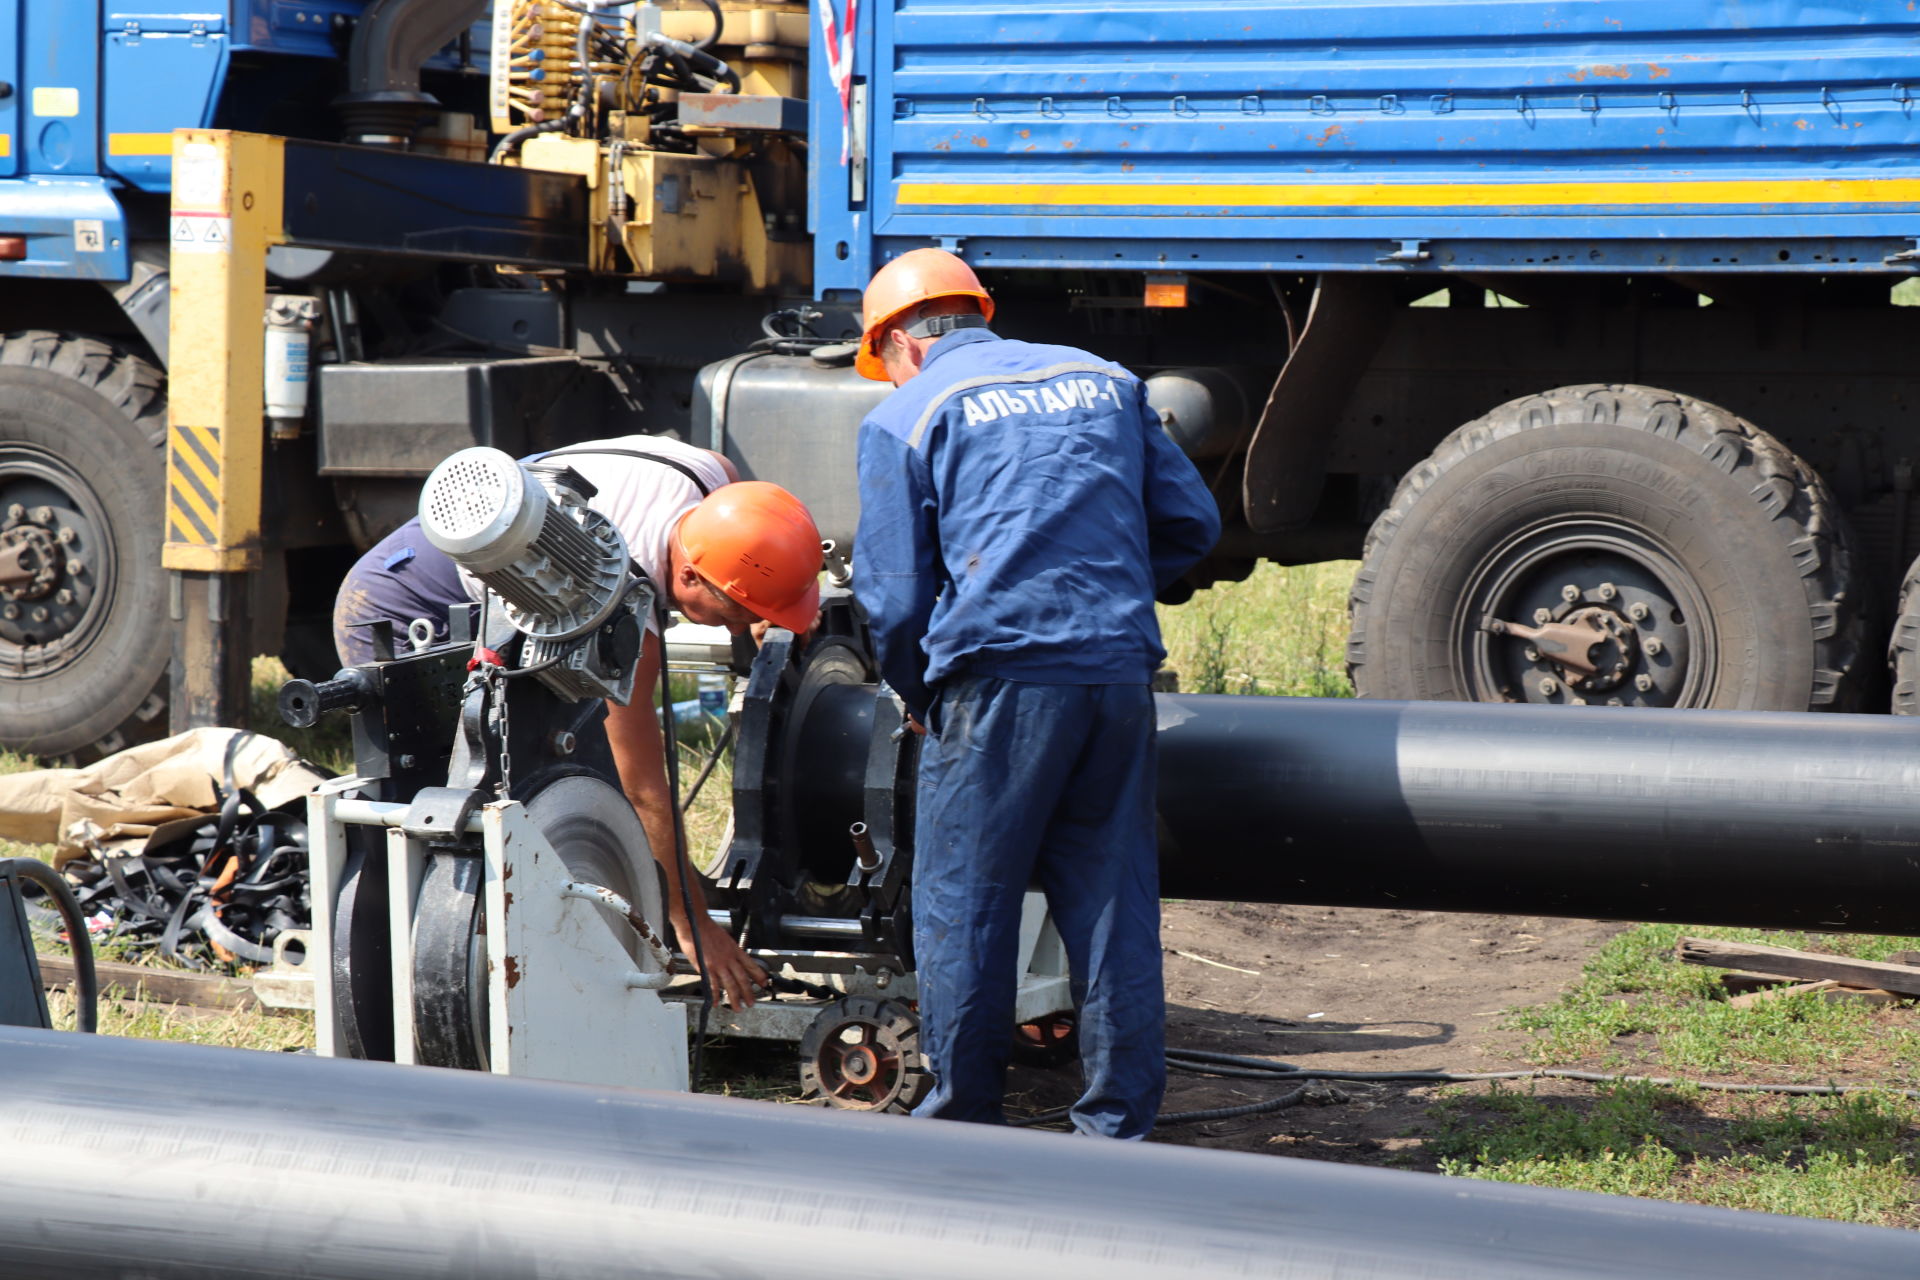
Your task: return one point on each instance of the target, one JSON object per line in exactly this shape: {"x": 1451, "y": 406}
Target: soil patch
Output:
{"x": 1341, "y": 989}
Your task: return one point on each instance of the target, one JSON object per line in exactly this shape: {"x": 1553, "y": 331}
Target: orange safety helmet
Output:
{"x": 757, "y": 544}
{"x": 909, "y": 280}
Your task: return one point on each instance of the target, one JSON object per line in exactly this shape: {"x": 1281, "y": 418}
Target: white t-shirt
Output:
{"x": 644, "y": 500}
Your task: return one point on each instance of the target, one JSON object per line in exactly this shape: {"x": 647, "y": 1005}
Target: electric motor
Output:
{"x": 558, "y": 568}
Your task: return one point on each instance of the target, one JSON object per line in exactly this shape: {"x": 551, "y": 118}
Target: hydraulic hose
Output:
{"x": 86, "y": 996}
{"x": 511, "y": 143}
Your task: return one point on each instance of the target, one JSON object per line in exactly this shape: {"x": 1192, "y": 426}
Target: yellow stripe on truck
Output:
{"x": 139, "y": 144}
{"x": 1410, "y": 195}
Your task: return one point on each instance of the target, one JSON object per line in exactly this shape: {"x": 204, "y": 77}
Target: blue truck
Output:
{"x": 1581, "y": 325}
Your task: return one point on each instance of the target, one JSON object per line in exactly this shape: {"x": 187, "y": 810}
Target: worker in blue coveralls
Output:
{"x": 1019, "y": 509}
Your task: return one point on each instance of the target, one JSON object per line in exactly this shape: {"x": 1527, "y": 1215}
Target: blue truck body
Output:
{"x": 99, "y": 85}
{"x": 1346, "y": 244}
{"x": 1266, "y": 135}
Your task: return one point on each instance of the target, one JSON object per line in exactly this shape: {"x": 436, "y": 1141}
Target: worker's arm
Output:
{"x": 1183, "y": 521}
{"x": 897, "y": 566}
{"x": 639, "y": 751}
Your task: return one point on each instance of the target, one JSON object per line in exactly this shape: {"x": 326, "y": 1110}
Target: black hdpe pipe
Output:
{"x": 1766, "y": 819}
{"x": 368, "y": 1171}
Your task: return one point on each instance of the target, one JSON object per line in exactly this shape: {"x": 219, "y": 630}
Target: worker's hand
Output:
{"x": 731, "y": 974}
{"x": 915, "y": 725}
{"x": 759, "y": 632}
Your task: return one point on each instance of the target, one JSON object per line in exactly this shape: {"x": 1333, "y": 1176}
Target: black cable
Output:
{"x": 510, "y": 673}
{"x": 1230, "y": 1066}
{"x": 86, "y": 982}
{"x": 680, "y": 850}
{"x": 706, "y": 770}
{"x": 719, "y": 23}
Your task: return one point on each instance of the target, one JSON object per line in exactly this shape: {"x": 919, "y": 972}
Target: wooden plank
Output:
{"x": 160, "y": 986}
{"x": 1804, "y": 965}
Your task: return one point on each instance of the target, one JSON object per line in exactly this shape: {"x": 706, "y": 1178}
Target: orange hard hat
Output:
{"x": 909, "y": 280}
{"x": 757, "y": 544}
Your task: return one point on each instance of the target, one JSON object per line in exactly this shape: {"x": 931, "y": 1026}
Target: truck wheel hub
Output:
{"x": 53, "y": 560}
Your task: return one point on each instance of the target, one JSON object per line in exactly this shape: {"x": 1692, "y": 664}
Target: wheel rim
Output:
{"x": 861, "y": 1056}
{"x": 1655, "y": 637}
{"x": 53, "y": 525}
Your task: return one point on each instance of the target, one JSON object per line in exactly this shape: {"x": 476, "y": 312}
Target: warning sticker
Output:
{"x": 200, "y": 178}
{"x": 200, "y": 233}
{"x": 89, "y": 235}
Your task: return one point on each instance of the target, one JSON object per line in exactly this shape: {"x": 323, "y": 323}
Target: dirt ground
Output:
{"x": 1341, "y": 989}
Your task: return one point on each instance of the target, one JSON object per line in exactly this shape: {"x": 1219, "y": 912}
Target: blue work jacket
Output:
{"x": 1019, "y": 508}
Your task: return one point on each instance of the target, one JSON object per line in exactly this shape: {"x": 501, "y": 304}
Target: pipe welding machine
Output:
{"x": 484, "y": 892}
{"x": 487, "y": 900}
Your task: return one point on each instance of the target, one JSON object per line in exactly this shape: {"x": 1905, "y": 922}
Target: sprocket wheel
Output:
{"x": 863, "y": 1054}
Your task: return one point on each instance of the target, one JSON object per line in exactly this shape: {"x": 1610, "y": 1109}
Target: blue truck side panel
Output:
{"x": 10, "y": 73}
{"x": 1282, "y": 135}
{"x": 59, "y": 82}
{"x": 163, "y": 72}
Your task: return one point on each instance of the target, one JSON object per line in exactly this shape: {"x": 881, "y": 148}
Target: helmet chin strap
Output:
{"x": 936, "y": 326}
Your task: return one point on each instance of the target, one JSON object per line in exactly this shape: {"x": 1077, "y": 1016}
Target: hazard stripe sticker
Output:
{"x": 193, "y": 485}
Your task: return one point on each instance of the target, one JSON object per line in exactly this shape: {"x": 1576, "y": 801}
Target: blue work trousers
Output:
{"x": 1054, "y": 784}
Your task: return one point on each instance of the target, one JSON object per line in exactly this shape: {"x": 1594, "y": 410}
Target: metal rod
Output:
{"x": 381, "y": 813}
{"x": 821, "y": 927}
{"x": 804, "y": 926}
{"x": 1766, "y": 819}
{"x": 368, "y": 1171}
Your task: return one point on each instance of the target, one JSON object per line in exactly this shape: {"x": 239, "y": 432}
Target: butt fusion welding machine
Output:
{"x": 483, "y": 891}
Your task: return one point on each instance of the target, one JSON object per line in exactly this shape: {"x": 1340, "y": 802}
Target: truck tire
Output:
{"x": 1711, "y": 561}
{"x": 85, "y": 643}
{"x": 1903, "y": 647}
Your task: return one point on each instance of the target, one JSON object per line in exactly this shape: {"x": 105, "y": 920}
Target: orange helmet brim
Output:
{"x": 799, "y": 616}
{"x": 868, "y": 362}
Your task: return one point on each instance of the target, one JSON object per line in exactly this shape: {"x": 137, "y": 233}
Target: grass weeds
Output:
{"x": 1282, "y": 631}
{"x": 1637, "y": 1009}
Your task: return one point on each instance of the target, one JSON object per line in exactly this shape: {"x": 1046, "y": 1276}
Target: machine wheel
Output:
{"x": 1052, "y": 1041}
{"x": 83, "y": 647}
{"x": 594, "y": 829}
{"x": 1691, "y": 557}
{"x": 863, "y": 1054}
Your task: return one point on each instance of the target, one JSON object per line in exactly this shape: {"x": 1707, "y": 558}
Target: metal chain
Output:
{"x": 501, "y": 694}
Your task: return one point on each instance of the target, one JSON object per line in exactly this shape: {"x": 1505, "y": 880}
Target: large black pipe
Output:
{"x": 129, "y": 1158}
{"x": 1702, "y": 817}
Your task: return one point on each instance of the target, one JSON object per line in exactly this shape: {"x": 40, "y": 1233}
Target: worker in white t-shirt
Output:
{"x": 689, "y": 523}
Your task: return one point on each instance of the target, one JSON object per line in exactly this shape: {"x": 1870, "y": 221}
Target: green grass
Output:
{"x": 328, "y": 744}
{"x": 1637, "y": 1010}
{"x": 1282, "y": 631}
{"x": 1851, "y": 1159}
{"x": 1635, "y": 1003}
